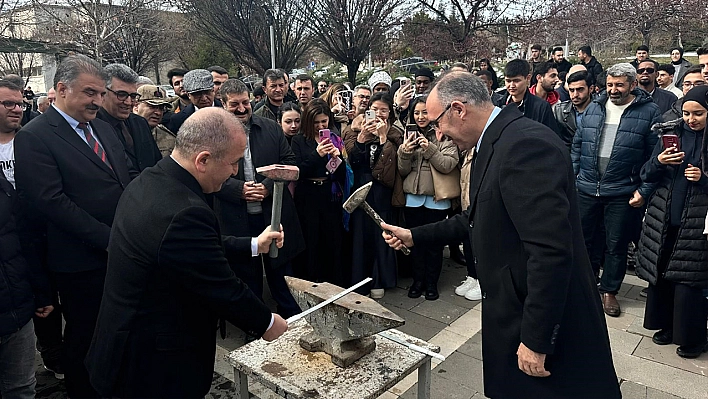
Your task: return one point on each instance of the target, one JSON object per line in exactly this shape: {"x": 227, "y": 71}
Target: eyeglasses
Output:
{"x": 694, "y": 84}
{"x": 10, "y": 105}
{"x": 434, "y": 123}
{"x": 363, "y": 97}
{"x": 647, "y": 70}
{"x": 123, "y": 95}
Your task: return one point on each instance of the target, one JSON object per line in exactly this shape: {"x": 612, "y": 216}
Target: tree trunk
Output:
{"x": 352, "y": 69}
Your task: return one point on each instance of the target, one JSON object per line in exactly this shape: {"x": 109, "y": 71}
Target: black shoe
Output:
{"x": 416, "y": 290}
{"x": 457, "y": 256}
{"x": 663, "y": 337}
{"x": 643, "y": 292}
{"x": 55, "y": 369}
{"x": 692, "y": 352}
{"x": 431, "y": 293}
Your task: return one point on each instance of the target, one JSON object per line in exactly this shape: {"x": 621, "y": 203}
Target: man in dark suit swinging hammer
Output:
{"x": 168, "y": 278}
{"x": 543, "y": 328}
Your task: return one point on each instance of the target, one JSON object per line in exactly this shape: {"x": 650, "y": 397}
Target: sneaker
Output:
{"x": 56, "y": 370}
{"x": 377, "y": 293}
{"x": 468, "y": 283}
{"x": 474, "y": 293}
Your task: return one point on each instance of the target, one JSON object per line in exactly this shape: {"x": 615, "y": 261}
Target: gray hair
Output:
{"x": 462, "y": 86}
{"x": 73, "y": 66}
{"x": 42, "y": 100}
{"x": 208, "y": 129}
{"x": 121, "y": 72}
{"x": 361, "y": 87}
{"x": 232, "y": 86}
{"x": 623, "y": 69}
{"x": 144, "y": 80}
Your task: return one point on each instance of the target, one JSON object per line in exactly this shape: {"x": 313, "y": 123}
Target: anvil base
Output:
{"x": 343, "y": 353}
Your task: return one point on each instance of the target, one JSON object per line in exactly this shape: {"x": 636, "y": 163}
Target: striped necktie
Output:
{"x": 94, "y": 144}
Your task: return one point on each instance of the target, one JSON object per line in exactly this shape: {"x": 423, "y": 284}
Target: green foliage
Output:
{"x": 208, "y": 52}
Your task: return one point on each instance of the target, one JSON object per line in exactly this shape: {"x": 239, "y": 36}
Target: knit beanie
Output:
{"x": 379, "y": 77}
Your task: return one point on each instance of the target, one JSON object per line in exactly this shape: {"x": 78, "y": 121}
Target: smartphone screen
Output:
{"x": 670, "y": 140}
{"x": 347, "y": 96}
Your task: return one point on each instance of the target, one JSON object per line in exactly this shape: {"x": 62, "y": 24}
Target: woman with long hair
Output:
{"x": 372, "y": 144}
{"x": 417, "y": 156}
{"x": 484, "y": 64}
{"x": 333, "y": 98}
{"x": 673, "y": 253}
{"x": 289, "y": 120}
{"x": 322, "y": 187}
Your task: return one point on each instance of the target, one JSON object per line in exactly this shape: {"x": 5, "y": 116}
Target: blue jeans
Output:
{"x": 617, "y": 217}
{"x": 17, "y": 380}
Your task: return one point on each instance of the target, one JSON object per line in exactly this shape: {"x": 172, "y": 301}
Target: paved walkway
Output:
{"x": 646, "y": 371}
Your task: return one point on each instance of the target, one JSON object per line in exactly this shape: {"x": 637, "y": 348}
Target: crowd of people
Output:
{"x": 116, "y": 194}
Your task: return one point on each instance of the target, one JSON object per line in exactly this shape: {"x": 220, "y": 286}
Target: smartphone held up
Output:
{"x": 670, "y": 140}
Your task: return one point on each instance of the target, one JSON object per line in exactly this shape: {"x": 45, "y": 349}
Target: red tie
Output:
{"x": 94, "y": 144}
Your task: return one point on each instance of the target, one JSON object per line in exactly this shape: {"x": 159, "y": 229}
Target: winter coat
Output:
{"x": 688, "y": 263}
{"x": 565, "y": 113}
{"x": 678, "y": 78}
{"x": 594, "y": 67}
{"x": 533, "y": 108}
{"x": 385, "y": 170}
{"x": 632, "y": 148}
{"x": 676, "y": 111}
{"x": 415, "y": 166}
{"x": 23, "y": 286}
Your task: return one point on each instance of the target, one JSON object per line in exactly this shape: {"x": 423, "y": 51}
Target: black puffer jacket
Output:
{"x": 22, "y": 288}
{"x": 689, "y": 259}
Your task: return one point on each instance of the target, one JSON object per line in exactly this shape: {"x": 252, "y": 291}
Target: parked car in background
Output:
{"x": 168, "y": 90}
{"x": 251, "y": 80}
{"x": 412, "y": 64}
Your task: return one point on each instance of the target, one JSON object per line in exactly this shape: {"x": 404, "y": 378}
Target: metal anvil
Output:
{"x": 343, "y": 329}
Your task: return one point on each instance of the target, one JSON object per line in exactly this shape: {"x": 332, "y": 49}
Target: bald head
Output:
{"x": 572, "y": 70}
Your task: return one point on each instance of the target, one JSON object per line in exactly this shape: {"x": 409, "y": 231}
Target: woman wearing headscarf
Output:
{"x": 680, "y": 64}
{"x": 673, "y": 253}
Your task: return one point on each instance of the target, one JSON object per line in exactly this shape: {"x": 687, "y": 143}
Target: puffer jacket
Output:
{"x": 22, "y": 288}
{"x": 385, "y": 169}
{"x": 415, "y": 166}
{"x": 632, "y": 148}
{"x": 689, "y": 259}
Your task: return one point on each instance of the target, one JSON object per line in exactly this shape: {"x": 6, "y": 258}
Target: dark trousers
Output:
{"x": 321, "y": 223}
{"x": 80, "y": 295}
{"x": 674, "y": 306}
{"x": 50, "y": 336}
{"x": 427, "y": 260}
{"x": 617, "y": 216}
{"x": 252, "y": 274}
{"x": 469, "y": 258}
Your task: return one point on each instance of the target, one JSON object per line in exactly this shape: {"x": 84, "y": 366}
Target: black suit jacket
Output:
{"x": 145, "y": 152}
{"x": 537, "y": 283}
{"x": 176, "y": 120}
{"x": 268, "y": 146}
{"x": 63, "y": 181}
{"x": 167, "y": 283}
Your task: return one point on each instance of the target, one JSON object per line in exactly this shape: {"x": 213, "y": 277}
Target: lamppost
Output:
{"x": 269, "y": 15}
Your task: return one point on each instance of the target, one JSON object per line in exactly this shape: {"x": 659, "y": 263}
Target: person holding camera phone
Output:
{"x": 673, "y": 254}
{"x": 321, "y": 190}
{"x": 419, "y": 153}
{"x": 372, "y": 141}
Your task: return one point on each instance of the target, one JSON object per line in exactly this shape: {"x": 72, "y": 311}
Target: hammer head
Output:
{"x": 279, "y": 172}
{"x": 357, "y": 197}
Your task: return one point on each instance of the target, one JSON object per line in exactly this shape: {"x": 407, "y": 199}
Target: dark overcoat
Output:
{"x": 537, "y": 283}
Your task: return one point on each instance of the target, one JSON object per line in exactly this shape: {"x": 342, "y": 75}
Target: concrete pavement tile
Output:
{"x": 623, "y": 342}
{"x": 440, "y": 311}
{"x": 462, "y": 369}
{"x": 631, "y": 390}
{"x": 388, "y": 395}
{"x": 221, "y": 366}
{"x": 399, "y": 297}
{"x": 479, "y": 395}
{"x": 468, "y": 324}
{"x": 478, "y": 306}
{"x": 666, "y": 354}
{"x": 448, "y": 341}
{"x": 416, "y": 325}
{"x": 448, "y": 295}
{"x": 404, "y": 282}
{"x": 657, "y": 394}
{"x": 442, "y": 388}
{"x": 473, "y": 347}
{"x": 661, "y": 377}
{"x": 620, "y": 323}
{"x": 631, "y": 306}
{"x": 634, "y": 280}
{"x": 634, "y": 293}
{"x": 624, "y": 289}
{"x": 637, "y": 327}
